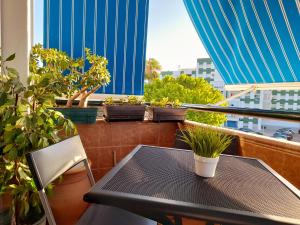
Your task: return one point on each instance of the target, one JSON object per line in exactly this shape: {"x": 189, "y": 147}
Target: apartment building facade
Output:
{"x": 288, "y": 100}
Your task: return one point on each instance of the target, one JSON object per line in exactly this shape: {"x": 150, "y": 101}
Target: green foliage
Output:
{"x": 165, "y": 102}
{"x": 205, "y": 141}
{"x": 27, "y": 124}
{"x": 188, "y": 90}
{"x": 67, "y": 76}
{"x": 129, "y": 100}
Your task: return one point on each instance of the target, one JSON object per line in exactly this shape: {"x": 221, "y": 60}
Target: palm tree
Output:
{"x": 152, "y": 69}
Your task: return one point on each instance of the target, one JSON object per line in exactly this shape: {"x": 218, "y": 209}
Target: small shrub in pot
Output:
{"x": 129, "y": 108}
{"x": 207, "y": 144}
{"x": 165, "y": 110}
{"x": 77, "y": 78}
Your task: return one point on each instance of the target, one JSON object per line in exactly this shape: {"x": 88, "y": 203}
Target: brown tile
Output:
{"x": 92, "y": 154}
{"x": 186, "y": 221}
{"x": 96, "y": 174}
{"x": 123, "y": 151}
{"x": 292, "y": 168}
{"x": 149, "y": 133}
{"x": 95, "y": 135}
{"x": 106, "y": 156}
{"x": 99, "y": 173}
{"x": 129, "y": 133}
{"x": 167, "y": 133}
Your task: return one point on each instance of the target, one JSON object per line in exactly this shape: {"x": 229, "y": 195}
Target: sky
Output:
{"x": 172, "y": 39}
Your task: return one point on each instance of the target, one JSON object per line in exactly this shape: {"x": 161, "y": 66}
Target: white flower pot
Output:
{"x": 205, "y": 167}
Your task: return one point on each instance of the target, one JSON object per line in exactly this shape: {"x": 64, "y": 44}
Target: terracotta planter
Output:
{"x": 124, "y": 112}
{"x": 168, "y": 114}
{"x": 5, "y": 203}
{"x": 205, "y": 167}
{"x": 67, "y": 200}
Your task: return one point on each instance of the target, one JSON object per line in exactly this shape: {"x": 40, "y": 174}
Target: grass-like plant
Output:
{"x": 166, "y": 103}
{"x": 129, "y": 100}
{"x": 206, "y": 142}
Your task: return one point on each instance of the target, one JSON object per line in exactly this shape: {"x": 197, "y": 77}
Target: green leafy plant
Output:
{"x": 206, "y": 141}
{"x": 134, "y": 100}
{"x": 27, "y": 124}
{"x": 188, "y": 90}
{"x": 166, "y": 103}
{"x": 72, "y": 78}
{"x": 129, "y": 100}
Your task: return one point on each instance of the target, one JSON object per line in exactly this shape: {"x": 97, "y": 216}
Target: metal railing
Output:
{"x": 260, "y": 113}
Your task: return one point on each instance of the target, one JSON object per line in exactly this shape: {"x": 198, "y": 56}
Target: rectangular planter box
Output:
{"x": 168, "y": 114}
{"x": 124, "y": 112}
{"x": 79, "y": 115}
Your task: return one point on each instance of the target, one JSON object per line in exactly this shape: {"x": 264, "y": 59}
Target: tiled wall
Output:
{"x": 106, "y": 143}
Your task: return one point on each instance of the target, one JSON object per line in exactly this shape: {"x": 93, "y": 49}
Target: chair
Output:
{"x": 49, "y": 163}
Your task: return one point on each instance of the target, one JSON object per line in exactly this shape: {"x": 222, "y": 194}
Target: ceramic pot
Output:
{"x": 67, "y": 200}
{"x": 205, "y": 167}
{"x": 80, "y": 115}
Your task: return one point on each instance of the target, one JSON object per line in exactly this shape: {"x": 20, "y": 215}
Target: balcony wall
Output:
{"x": 107, "y": 143}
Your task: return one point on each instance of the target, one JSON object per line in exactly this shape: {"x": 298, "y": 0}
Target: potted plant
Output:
{"x": 130, "y": 108}
{"x": 207, "y": 145}
{"x": 27, "y": 123}
{"x": 79, "y": 78}
{"x": 165, "y": 110}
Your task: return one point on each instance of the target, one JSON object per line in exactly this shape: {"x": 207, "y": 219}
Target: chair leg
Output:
{"x": 178, "y": 220}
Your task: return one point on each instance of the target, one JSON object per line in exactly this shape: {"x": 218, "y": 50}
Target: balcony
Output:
{"x": 107, "y": 143}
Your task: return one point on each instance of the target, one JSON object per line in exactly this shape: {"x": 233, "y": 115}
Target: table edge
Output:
{"x": 101, "y": 183}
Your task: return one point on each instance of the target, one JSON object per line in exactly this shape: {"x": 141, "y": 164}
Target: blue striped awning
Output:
{"x": 250, "y": 41}
{"x": 116, "y": 29}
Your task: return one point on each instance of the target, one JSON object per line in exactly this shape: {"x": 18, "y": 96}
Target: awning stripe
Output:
{"x": 298, "y": 5}
{"x": 289, "y": 28}
{"x": 250, "y": 42}
{"x": 207, "y": 42}
{"x": 219, "y": 44}
{"x": 245, "y": 42}
{"x": 237, "y": 42}
{"x": 267, "y": 41}
{"x": 116, "y": 29}
{"x": 256, "y": 43}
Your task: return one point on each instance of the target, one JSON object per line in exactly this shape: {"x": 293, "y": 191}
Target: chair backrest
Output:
{"x": 49, "y": 163}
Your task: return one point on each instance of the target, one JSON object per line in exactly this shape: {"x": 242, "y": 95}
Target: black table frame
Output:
{"x": 156, "y": 208}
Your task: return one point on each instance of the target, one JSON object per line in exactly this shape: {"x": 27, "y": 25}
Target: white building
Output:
{"x": 206, "y": 69}
{"x": 177, "y": 73}
{"x": 272, "y": 100}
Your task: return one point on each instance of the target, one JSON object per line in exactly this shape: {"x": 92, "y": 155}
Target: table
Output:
{"x": 161, "y": 181}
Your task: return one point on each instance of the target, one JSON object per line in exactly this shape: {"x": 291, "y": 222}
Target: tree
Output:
{"x": 152, "y": 69}
{"x": 187, "y": 90}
